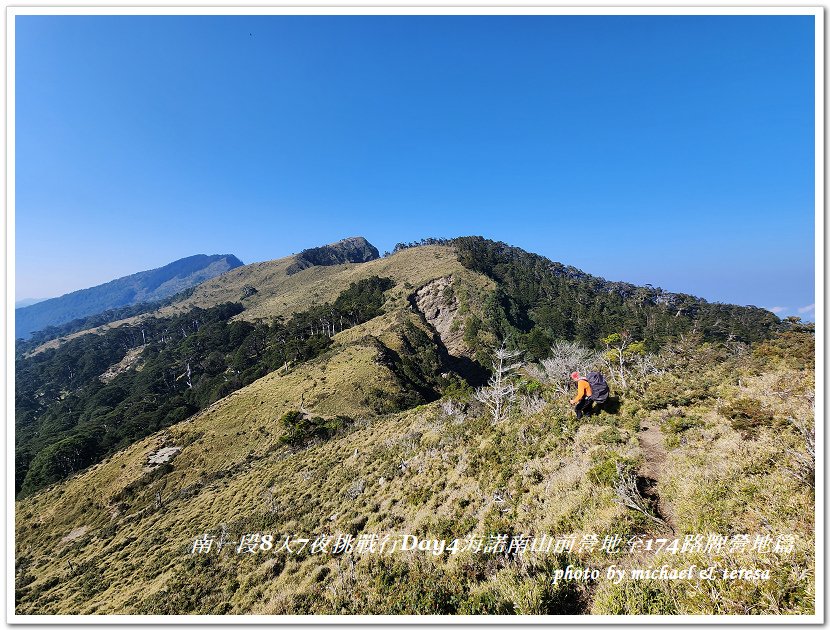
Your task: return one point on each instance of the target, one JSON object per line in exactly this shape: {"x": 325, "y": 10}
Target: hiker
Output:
{"x": 591, "y": 389}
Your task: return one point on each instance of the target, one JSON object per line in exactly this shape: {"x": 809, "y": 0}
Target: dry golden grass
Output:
{"x": 416, "y": 470}
{"x": 719, "y": 480}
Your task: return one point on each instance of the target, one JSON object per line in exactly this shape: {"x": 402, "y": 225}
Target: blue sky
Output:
{"x": 675, "y": 151}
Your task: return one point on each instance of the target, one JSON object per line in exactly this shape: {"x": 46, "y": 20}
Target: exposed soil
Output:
{"x": 653, "y": 468}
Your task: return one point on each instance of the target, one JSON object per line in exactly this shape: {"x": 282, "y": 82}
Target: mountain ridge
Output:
{"x": 261, "y": 284}
{"x": 27, "y": 302}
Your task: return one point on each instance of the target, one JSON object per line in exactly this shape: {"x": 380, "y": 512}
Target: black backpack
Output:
{"x": 599, "y": 388}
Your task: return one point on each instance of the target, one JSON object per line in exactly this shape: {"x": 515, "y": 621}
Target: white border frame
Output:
{"x": 339, "y": 7}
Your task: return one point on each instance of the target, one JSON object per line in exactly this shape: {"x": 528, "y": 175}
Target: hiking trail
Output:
{"x": 653, "y": 468}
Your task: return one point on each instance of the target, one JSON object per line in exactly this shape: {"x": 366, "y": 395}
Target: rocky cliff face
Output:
{"x": 350, "y": 250}
{"x": 439, "y": 306}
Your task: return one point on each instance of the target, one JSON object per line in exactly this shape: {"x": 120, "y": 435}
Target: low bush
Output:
{"x": 604, "y": 472}
{"x": 300, "y": 428}
{"x": 611, "y": 435}
{"x": 634, "y": 597}
{"x": 747, "y": 415}
{"x": 674, "y": 391}
{"x": 676, "y": 422}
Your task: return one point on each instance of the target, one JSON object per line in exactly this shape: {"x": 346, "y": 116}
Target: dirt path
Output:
{"x": 653, "y": 468}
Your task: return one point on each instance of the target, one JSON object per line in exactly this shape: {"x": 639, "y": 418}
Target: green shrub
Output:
{"x": 796, "y": 349}
{"x": 382, "y": 402}
{"x": 458, "y": 389}
{"x": 300, "y": 428}
{"x": 487, "y": 602}
{"x": 611, "y": 435}
{"x": 747, "y": 415}
{"x": 430, "y": 589}
{"x": 604, "y": 472}
{"x": 678, "y": 423}
{"x": 530, "y": 386}
{"x": 677, "y": 391}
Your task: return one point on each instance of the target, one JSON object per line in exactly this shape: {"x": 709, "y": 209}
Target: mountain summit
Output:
{"x": 349, "y": 250}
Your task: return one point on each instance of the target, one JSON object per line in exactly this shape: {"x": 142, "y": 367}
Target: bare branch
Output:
{"x": 500, "y": 391}
{"x": 628, "y": 495}
{"x": 565, "y": 358}
{"x": 803, "y": 464}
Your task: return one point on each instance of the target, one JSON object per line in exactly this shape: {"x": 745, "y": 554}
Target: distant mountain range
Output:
{"x": 145, "y": 286}
{"x": 28, "y": 302}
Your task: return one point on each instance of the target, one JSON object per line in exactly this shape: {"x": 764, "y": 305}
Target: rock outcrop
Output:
{"x": 350, "y": 250}
{"x": 439, "y": 306}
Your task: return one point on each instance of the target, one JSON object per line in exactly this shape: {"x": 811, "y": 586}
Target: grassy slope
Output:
{"x": 123, "y": 569}
{"x": 727, "y": 481}
{"x": 419, "y": 471}
{"x": 238, "y": 437}
{"x": 243, "y": 427}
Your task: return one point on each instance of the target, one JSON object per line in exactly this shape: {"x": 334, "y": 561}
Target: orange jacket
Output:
{"x": 583, "y": 389}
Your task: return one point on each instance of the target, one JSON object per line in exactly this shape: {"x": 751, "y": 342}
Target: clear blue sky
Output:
{"x": 675, "y": 151}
